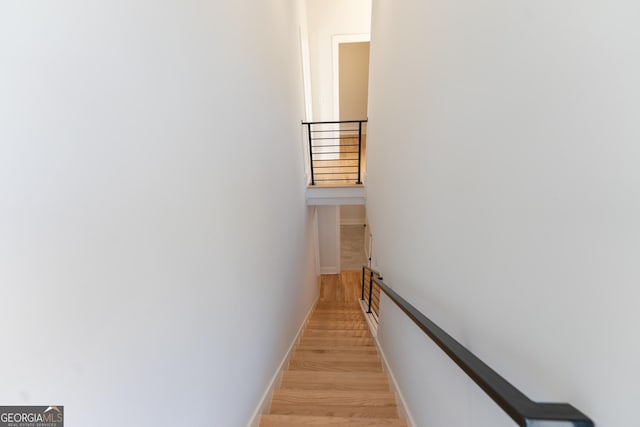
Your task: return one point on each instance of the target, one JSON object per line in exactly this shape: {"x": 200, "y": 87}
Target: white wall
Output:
{"x": 131, "y": 136}
{"x": 327, "y": 18}
{"x": 503, "y": 196}
{"x": 329, "y": 238}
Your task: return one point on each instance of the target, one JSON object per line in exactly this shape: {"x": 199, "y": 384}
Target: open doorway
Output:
{"x": 352, "y": 237}
{"x": 353, "y": 80}
{"x": 351, "y": 76}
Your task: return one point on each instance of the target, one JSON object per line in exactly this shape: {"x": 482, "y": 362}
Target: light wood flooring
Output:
{"x": 335, "y": 377}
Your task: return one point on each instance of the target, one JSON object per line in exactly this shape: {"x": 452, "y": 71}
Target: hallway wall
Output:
{"x": 132, "y": 134}
{"x": 327, "y": 18}
{"x": 329, "y": 238}
{"x": 503, "y": 196}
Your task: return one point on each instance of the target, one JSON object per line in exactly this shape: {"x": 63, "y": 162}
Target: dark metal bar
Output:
{"x": 332, "y": 160}
{"x": 313, "y": 181}
{"x": 335, "y": 152}
{"x": 519, "y": 407}
{"x": 334, "y": 130}
{"x": 335, "y": 137}
{"x": 336, "y": 173}
{"x": 335, "y": 179}
{"x": 336, "y": 145}
{"x": 370, "y": 290}
{"x": 359, "y": 151}
{"x": 335, "y": 122}
{"x": 362, "y": 284}
{"x": 329, "y": 167}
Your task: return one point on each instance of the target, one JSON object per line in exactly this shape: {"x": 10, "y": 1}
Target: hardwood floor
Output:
{"x": 335, "y": 377}
{"x": 343, "y": 287}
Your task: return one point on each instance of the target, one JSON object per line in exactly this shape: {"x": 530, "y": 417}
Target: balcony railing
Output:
{"x": 336, "y": 151}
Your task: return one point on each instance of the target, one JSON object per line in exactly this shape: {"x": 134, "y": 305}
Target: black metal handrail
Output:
{"x": 333, "y": 156}
{"x": 516, "y": 404}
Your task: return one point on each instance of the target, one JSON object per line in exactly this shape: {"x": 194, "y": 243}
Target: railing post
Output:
{"x": 359, "y": 181}
{"x": 370, "y": 290}
{"x": 362, "y": 284}
{"x": 313, "y": 180}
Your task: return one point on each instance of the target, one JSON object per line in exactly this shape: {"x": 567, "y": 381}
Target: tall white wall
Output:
{"x": 156, "y": 256}
{"x": 328, "y": 18}
{"x": 329, "y": 238}
{"x": 503, "y": 198}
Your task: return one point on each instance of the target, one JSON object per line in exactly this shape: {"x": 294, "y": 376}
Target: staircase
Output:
{"x": 335, "y": 377}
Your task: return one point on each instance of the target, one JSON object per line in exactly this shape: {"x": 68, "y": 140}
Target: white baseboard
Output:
{"x": 354, "y": 221}
{"x": 403, "y": 409}
{"x": 371, "y": 321}
{"x": 265, "y": 400}
{"x": 329, "y": 270}
{"x": 402, "y": 404}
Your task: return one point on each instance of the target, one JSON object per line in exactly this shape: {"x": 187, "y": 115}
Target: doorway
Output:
{"x": 352, "y": 237}
{"x": 353, "y": 80}
{"x": 351, "y": 76}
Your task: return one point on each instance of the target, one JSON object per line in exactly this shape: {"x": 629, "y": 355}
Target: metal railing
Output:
{"x": 335, "y": 151}
{"x": 371, "y": 291}
{"x": 524, "y": 411}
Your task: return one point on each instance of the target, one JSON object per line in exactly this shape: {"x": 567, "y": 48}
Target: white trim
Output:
{"x": 336, "y": 39}
{"x": 369, "y": 317}
{"x": 325, "y": 201}
{"x": 316, "y": 239}
{"x": 265, "y": 400}
{"x": 352, "y": 221}
{"x": 403, "y": 409}
{"x": 332, "y": 269}
{"x": 338, "y": 239}
{"x": 353, "y": 195}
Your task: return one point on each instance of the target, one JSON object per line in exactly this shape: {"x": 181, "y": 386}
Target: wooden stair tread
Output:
{"x": 338, "y": 397}
{"x": 336, "y": 333}
{"x": 316, "y": 409}
{"x": 335, "y": 355}
{"x": 337, "y": 324}
{"x": 352, "y": 309}
{"x": 340, "y": 403}
{"x": 333, "y": 366}
{"x": 337, "y": 341}
{"x": 335, "y": 376}
{"x": 337, "y": 348}
{"x": 323, "y": 380}
{"x": 319, "y": 421}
